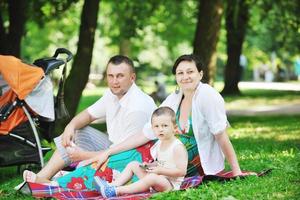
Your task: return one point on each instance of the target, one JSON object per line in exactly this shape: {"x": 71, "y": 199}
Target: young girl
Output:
{"x": 165, "y": 173}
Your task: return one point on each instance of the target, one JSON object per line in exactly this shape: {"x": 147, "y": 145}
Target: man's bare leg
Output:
{"x": 55, "y": 164}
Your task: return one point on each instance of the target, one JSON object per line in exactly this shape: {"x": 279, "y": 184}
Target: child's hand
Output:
{"x": 150, "y": 164}
{"x": 154, "y": 169}
{"x": 146, "y": 165}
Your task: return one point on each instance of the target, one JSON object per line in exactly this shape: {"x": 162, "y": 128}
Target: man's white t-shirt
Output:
{"x": 126, "y": 116}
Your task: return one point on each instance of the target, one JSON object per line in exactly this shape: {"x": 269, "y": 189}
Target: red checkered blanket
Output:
{"x": 40, "y": 190}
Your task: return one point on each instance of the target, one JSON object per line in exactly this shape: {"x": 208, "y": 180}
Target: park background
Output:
{"x": 224, "y": 34}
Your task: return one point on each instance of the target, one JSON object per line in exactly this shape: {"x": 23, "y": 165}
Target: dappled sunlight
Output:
{"x": 275, "y": 159}
{"x": 253, "y": 132}
{"x": 267, "y": 133}
{"x": 265, "y": 156}
{"x": 277, "y": 129}
{"x": 285, "y": 137}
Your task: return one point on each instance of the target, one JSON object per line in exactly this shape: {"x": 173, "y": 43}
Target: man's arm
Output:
{"x": 229, "y": 152}
{"x": 79, "y": 121}
{"x": 133, "y": 141}
{"x": 133, "y": 125}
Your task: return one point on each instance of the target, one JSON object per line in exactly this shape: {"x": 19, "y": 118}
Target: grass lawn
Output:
{"x": 260, "y": 143}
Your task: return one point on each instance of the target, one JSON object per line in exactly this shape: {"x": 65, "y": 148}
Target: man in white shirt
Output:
{"x": 124, "y": 108}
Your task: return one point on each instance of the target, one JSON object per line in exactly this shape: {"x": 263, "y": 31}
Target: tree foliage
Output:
{"x": 16, "y": 17}
{"x": 154, "y": 33}
{"x": 274, "y": 27}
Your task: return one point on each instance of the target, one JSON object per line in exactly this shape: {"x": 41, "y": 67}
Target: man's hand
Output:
{"x": 75, "y": 153}
{"x": 100, "y": 158}
{"x": 68, "y": 136}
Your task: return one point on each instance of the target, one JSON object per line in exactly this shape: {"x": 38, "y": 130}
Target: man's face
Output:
{"x": 119, "y": 78}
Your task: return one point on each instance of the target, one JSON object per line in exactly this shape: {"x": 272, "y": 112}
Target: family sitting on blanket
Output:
{"x": 200, "y": 118}
{"x": 124, "y": 107}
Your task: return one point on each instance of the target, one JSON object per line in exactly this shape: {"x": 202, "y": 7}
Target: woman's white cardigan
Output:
{"x": 208, "y": 119}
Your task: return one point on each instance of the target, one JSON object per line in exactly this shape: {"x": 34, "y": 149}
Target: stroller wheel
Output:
{"x": 31, "y": 167}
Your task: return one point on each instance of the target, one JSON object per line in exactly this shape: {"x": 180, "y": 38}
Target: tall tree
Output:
{"x": 11, "y": 35}
{"x": 79, "y": 73}
{"x": 207, "y": 35}
{"x": 237, "y": 17}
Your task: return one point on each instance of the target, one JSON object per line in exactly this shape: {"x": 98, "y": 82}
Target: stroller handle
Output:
{"x": 49, "y": 64}
{"x": 63, "y": 51}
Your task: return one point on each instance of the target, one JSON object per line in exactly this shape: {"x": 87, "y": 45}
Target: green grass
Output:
{"x": 260, "y": 143}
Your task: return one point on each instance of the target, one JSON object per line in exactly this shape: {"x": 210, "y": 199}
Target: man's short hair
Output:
{"x": 118, "y": 59}
{"x": 164, "y": 110}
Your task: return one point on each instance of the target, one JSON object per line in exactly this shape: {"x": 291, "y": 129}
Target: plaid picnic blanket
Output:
{"x": 40, "y": 190}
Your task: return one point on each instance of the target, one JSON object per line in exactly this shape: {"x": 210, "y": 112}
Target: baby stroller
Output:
{"x": 27, "y": 107}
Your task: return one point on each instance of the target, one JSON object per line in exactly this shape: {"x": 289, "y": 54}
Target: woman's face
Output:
{"x": 187, "y": 76}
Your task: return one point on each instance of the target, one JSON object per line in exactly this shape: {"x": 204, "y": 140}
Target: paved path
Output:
{"x": 295, "y": 86}
{"x": 293, "y": 109}
{"x": 288, "y": 109}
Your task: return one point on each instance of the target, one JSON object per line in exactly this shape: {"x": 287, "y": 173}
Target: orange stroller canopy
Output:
{"x": 22, "y": 78}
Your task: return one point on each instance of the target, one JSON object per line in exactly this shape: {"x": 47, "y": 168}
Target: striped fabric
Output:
{"x": 87, "y": 138}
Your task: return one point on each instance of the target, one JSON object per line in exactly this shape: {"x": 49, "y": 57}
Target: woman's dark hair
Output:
{"x": 189, "y": 58}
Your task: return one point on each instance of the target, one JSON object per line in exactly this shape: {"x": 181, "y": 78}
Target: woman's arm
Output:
{"x": 227, "y": 148}
{"x": 181, "y": 159}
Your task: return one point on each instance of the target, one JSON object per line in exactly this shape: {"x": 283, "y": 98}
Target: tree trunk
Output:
{"x": 207, "y": 35}
{"x": 125, "y": 47}
{"x": 237, "y": 16}
{"x": 79, "y": 73}
{"x": 10, "y": 40}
